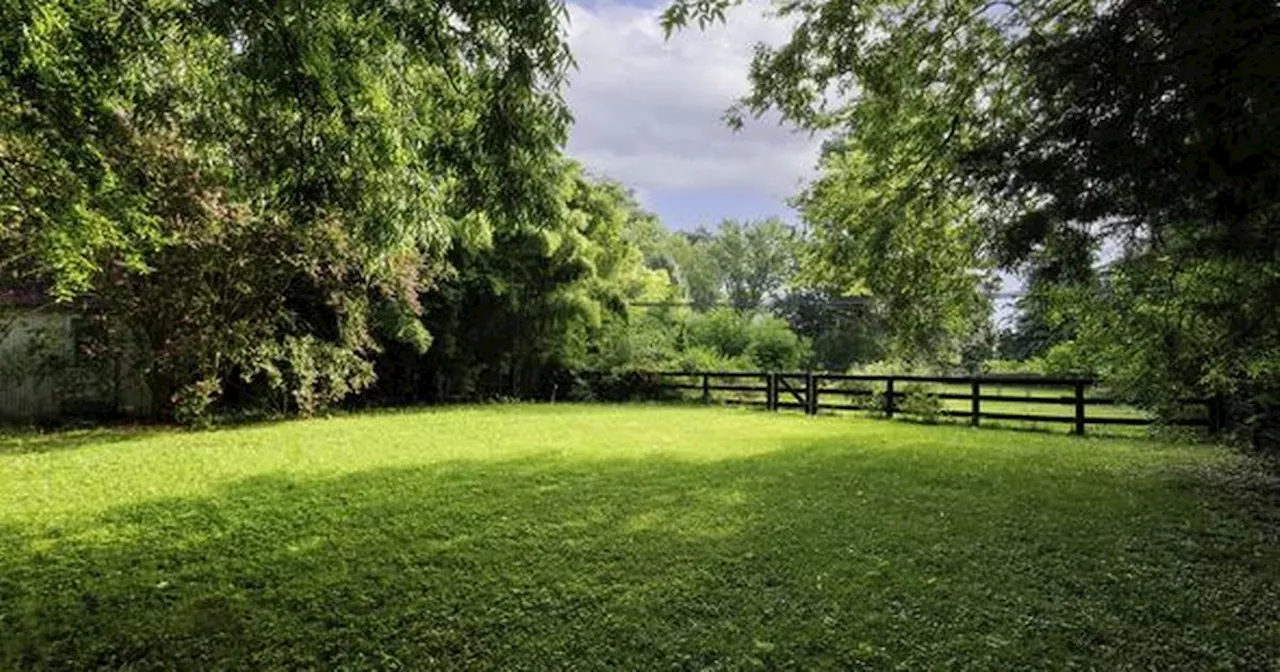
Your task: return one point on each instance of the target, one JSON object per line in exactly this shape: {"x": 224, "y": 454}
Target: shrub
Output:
{"x": 919, "y": 401}
{"x": 865, "y": 396}
{"x": 619, "y": 386}
{"x": 775, "y": 347}
{"x": 702, "y": 358}
{"x": 723, "y": 330}
{"x": 1066, "y": 359}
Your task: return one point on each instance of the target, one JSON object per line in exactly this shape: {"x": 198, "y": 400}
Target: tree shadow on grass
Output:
{"x": 813, "y": 556}
{"x": 17, "y": 441}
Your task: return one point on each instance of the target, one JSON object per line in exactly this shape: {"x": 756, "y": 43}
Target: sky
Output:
{"x": 648, "y": 114}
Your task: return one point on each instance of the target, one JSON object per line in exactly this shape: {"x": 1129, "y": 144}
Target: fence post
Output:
{"x": 888, "y": 398}
{"x": 771, "y": 391}
{"x": 810, "y": 394}
{"x": 1217, "y": 414}
{"x": 975, "y": 408}
{"x": 1079, "y": 408}
{"x": 706, "y": 388}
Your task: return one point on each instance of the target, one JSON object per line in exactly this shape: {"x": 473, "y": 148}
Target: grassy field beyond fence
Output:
{"x": 1018, "y": 402}
{"x": 630, "y": 537}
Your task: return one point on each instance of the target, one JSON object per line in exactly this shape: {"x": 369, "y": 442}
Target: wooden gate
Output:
{"x": 795, "y": 390}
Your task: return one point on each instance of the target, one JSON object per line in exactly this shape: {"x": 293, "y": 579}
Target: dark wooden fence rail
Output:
{"x": 805, "y": 391}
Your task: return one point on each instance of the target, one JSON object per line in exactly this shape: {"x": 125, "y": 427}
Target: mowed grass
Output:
{"x": 629, "y": 537}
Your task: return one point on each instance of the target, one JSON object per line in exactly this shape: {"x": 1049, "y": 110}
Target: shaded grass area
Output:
{"x": 597, "y": 537}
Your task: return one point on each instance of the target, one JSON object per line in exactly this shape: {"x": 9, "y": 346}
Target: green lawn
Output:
{"x": 631, "y": 537}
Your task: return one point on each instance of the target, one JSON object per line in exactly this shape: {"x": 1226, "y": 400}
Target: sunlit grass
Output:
{"x": 637, "y": 537}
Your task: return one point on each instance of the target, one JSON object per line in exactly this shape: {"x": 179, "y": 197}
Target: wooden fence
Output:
{"x": 806, "y": 391}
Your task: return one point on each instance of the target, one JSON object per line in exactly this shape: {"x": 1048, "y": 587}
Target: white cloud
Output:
{"x": 648, "y": 110}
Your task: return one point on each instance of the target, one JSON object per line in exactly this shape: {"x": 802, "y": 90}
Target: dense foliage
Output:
{"x": 281, "y": 207}
{"x": 251, "y": 197}
{"x": 1121, "y": 155}
{"x": 1156, "y": 130}
{"x": 844, "y": 331}
{"x": 901, "y": 91}
{"x": 276, "y": 208}
{"x": 535, "y": 302}
{"x": 753, "y": 269}
{"x": 912, "y": 255}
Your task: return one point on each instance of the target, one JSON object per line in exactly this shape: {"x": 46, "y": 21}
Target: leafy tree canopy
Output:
{"x": 1053, "y": 130}
{"x": 902, "y": 90}
{"x": 398, "y": 120}
{"x": 252, "y": 189}
{"x": 1157, "y": 129}
{"x": 755, "y": 260}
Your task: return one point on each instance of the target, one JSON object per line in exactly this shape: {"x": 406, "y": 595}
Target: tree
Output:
{"x": 145, "y": 147}
{"x": 723, "y": 330}
{"x": 1062, "y": 127}
{"x": 514, "y": 314}
{"x": 915, "y": 256}
{"x": 1045, "y": 315}
{"x": 750, "y": 261}
{"x": 686, "y": 258}
{"x": 903, "y": 89}
{"x": 746, "y": 264}
{"x": 1155, "y": 129}
{"x": 775, "y": 347}
{"x": 755, "y": 260}
{"x": 844, "y": 331}
{"x": 910, "y": 77}
{"x": 698, "y": 270}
